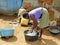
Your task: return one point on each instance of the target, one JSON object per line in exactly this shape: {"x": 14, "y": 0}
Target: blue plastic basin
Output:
{"x": 7, "y": 32}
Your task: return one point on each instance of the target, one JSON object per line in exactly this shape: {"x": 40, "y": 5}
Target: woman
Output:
{"x": 40, "y": 18}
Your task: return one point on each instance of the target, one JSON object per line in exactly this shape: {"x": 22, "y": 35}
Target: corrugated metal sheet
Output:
{"x": 10, "y": 6}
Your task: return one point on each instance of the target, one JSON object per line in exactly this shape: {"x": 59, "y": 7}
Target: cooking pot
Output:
{"x": 31, "y": 36}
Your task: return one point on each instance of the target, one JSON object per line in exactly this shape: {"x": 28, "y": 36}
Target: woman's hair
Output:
{"x": 25, "y": 14}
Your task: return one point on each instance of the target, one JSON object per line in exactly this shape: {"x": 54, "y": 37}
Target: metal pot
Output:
{"x": 54, "y": 30}
{"x": 32, "y": 37}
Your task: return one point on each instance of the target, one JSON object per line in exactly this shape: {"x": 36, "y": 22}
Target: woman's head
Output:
{"x": 25, "y": 15}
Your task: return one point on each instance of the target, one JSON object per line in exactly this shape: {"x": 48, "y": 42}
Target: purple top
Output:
{"x": 37, "y": 12}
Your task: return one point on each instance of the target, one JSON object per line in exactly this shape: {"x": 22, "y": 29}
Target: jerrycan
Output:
{"x": 24, "y": 21}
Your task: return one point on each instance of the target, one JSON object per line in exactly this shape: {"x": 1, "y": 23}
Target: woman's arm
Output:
{"x": 34, "y": 21}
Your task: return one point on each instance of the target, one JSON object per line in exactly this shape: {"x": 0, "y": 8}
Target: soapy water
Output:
{"x": 31, "y": 33}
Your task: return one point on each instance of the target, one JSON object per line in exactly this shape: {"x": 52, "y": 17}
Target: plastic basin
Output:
{"x": 7, "y": 32}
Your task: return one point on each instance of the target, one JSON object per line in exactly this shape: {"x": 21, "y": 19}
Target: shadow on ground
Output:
{"x": 11, "y": 39}
{"x": 47, "y": 33}
{"x": 57, "y": 36}
{"x": 43, "y": 42}
{"x": 7, "y": 17}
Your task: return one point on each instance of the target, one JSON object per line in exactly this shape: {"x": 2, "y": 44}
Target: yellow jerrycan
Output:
{"x": 24, "y": 21}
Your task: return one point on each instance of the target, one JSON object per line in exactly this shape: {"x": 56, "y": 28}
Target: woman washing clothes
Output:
{"x": 40, "y": 18}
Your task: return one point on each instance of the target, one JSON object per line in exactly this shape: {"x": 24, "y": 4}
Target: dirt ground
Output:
{"x": 19, "y": 39}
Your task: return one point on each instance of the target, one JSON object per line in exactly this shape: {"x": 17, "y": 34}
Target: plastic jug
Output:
{"x": 24, "y": 21}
